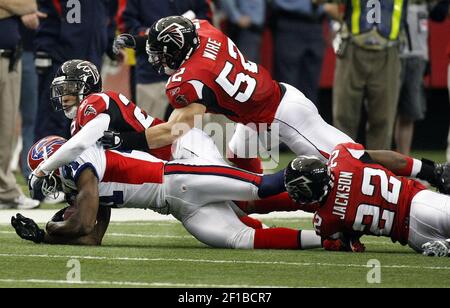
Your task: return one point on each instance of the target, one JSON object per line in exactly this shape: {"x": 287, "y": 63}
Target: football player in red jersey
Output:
{"x": 195, "y": 191}
{"x": 77, "y": 90}
{"x": 367, "y": 193}
{"x": 210, "y": 75}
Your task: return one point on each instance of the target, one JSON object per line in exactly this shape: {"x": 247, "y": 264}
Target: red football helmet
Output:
{"x": 39, "y": 152}
{"x": 43, "y": 149}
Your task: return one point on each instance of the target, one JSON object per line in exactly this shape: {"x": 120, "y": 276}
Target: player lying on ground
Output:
{"x": 358, "y": 196}
{"x": 77, "y": 91}
{"x": 210, "y": 75}
{"x": 194, "y": 191}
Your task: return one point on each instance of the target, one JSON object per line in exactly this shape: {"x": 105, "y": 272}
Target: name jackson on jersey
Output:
{"x": 366, "y": 198}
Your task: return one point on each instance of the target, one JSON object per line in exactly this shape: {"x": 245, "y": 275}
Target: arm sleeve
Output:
{"x": 185, "y": 94}
{"x": 73, "y": 148}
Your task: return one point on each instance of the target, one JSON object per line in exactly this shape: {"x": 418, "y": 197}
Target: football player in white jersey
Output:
{"x": 196, "y": 191}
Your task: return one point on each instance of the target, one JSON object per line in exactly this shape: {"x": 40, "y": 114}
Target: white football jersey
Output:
{"x": 126, "y": 180}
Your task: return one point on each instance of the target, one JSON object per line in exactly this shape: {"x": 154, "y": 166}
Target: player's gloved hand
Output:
{"x": 122, "y": 41}
{"x": 442, "y": 173}
{"x": 35, "y": 184}
{"x": 357, "y": 246}
{"x": 336, "y": 245}
{"x": 344, "y": 244}
{"x": 111, "y": 140}
{"x": 436, "y": 248}
{"x": 27, "y": 229}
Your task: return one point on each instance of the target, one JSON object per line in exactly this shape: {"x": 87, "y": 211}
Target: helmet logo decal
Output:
{"x": 172, "y": 33}
{"x": 45, "y": 148}
{"x": 90, "y": 70}
{"x": 302, "y": 184}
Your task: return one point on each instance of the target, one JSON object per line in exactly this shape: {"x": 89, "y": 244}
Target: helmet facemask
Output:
{"x": 48, "y": 186}
{"x": 52, "y": 186}
{"x": 62, "y": 89}
{"x": 162, "y": 61}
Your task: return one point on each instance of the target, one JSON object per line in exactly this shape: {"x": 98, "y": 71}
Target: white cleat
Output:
{"x": 21, "y": 203}
{"x": 437, "y": 248}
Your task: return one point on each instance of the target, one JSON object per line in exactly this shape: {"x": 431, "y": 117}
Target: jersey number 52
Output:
{"x": 233, "y": 88}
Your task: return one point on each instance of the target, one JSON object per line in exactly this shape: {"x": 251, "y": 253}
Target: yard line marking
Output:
{"x": 149, "y": 236}
{"x": 137, "y": 235}
{"x": 134, "y": 284}
{"x": 158, "y": 224}
{"x": 130, "y": 235}
{"x": 218, "y": 261}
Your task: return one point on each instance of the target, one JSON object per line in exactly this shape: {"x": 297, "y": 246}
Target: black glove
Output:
{"x": 111, "y": 140}
{"x": 123, "y": 41}
{"x": 27, "y": 229}
{"x": 442, "y": 173}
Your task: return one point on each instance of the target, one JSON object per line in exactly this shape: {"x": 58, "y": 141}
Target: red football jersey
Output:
{"x": 218, "y": 76}
{"x": 125, "y": 117}
{"x": 366, "y": 198}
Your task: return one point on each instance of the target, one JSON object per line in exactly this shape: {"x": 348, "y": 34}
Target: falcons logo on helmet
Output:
{"x": 90, "y": 70}
{"x": 302, "y": 183}
{"x": 172, "y": 33}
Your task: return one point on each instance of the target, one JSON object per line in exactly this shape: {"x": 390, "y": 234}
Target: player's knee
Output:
{"x": 242, "y": 239}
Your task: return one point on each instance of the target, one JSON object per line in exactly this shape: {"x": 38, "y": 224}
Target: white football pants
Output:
{"x": 301, "y": 128}
{"x": 429, "y": 219}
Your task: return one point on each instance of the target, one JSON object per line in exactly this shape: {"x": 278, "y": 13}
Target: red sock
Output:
{"x": 251, "y": 222}
{"x": 248, "y": 164}
{"x": 276, "y": 238}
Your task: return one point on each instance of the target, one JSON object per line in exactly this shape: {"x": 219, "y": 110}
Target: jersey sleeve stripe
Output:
{"x": 214, "y": 170}
{"x": 198, "y": 86}
{"x": 417, "y": 166}
{"x": 356, "y": 153}
{"x": 104, "y": 97}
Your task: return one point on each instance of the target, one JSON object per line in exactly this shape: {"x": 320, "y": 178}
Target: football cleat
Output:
{"x": 437, "y": 248}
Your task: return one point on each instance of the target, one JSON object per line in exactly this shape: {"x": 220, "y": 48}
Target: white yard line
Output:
{"x": 127, "y": 215}
{"x": 283, "y": 263}
{"x": 130, "y": 235}
{"x": 138, "y": 235}
{"x": 131, "y": 284}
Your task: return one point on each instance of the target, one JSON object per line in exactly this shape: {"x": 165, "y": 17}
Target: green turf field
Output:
{"x": 163, "y": 254}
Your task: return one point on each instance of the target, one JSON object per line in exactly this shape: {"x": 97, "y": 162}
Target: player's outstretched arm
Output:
{"x": 393, "y": 161}
{"x": 181, "y": 121}
{"x": 437, "y": 175}
{"x": 82, "y": 221}
{"x": 76, "y": 145}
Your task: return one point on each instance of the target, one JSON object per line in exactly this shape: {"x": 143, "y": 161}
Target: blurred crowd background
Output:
{"x": 377, "y": 70}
